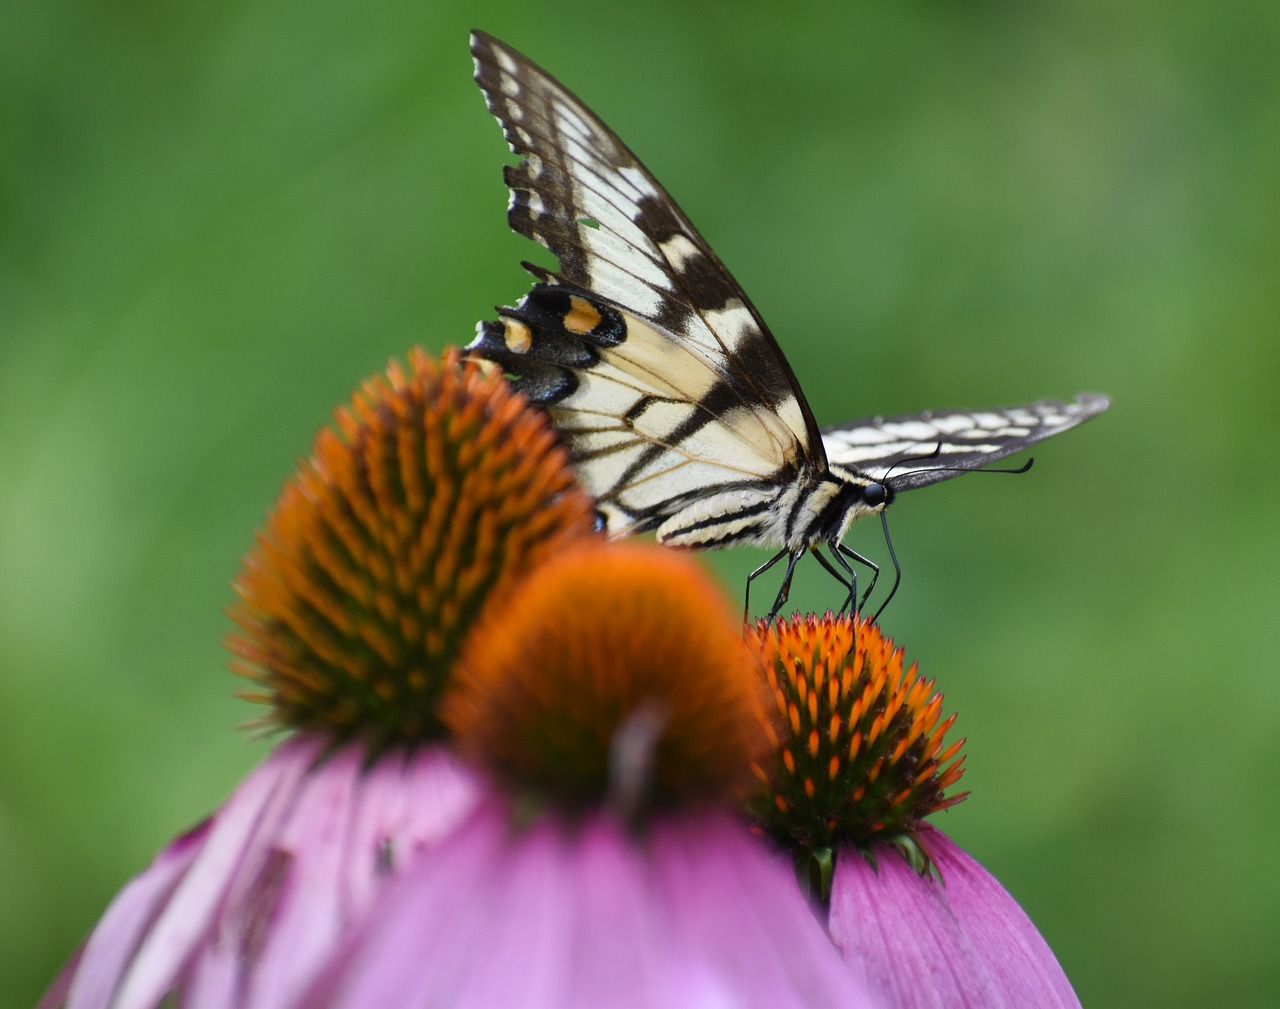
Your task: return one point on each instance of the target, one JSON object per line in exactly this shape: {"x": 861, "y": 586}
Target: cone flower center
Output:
{"x": 617, "y": 676}
{"x": 438, "y": 491}
{"x": 859, "y": 748}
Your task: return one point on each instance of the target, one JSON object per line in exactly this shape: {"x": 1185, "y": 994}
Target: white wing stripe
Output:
{"x": 678, "y": 251}
{"x": 731, "y": 325}
{"x": 636, "y": 176}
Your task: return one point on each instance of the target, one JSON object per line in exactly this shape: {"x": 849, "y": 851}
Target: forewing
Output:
{"x": 622, "y": 244}
{"x": 962, "y": 439}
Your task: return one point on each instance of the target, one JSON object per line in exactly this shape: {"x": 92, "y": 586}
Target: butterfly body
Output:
{"x": 678, "y": 407}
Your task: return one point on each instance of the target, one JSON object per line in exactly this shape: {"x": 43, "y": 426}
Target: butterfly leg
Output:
{"x": 840, "y": 552}
{"x": 746, "y": 602}
{"x": 848, "y": 578}
{"x": 783, "y": 592}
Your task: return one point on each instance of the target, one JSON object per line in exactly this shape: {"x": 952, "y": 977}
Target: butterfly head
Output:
{"x": 862, "y": 496}
{"x": 843, "y": 498}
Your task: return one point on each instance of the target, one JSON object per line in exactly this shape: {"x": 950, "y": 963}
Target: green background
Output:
{"x": 216, "y": 219}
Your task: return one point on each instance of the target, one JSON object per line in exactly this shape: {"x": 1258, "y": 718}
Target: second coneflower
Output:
{"x": 439, "y": 490}
{"x": 859, "y": 761}
{"x": 613, "y": 706}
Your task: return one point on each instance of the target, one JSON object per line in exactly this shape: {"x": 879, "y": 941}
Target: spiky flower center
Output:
{"x": 438, "y": 491}
{"x": 614, "y": 675}
{"x": 858, "y": 742}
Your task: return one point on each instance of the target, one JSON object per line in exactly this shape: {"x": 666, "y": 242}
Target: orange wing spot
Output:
{"x": 582, "y": 316}
{"x": 516, "y": 335}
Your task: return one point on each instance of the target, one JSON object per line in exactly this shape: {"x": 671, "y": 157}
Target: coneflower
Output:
{"x": 616, "y": 710}
{"x": 859, "y": 760}
{"x": 437, "y": 492}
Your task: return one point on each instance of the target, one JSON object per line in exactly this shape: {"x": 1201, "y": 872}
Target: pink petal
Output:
{"x": 922, "y": 944}
{"x": 243, "y": 912}
{"x": 405, "y": 943}
{"x": 111, "y": 946}
{"x": 294, "y": 918}
{"x": 189, "y": 914}
{"x": 744, "y": 891}
{"x": 405, "y": 803}
{"x": 692, "y": 912}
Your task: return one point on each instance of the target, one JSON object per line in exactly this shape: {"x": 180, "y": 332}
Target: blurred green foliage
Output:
{"x": 216, "y": 219}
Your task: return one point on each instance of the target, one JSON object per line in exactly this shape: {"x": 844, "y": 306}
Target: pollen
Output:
{"x": 860, "y": 751}
{"x": 435, "y": 492}
{"x": 615, "y": 675}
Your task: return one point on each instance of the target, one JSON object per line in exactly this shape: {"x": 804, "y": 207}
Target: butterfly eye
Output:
{"x": 874, "y": 494}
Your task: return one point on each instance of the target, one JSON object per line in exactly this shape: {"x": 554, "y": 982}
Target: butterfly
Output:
{"x": 679, "y": 409}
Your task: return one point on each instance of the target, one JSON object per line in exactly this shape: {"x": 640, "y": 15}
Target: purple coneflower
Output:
{"x": 440, "y": 491}
{"x": 520, "y": 758}
{"x": 517, "y": 756}
{"x": 859, "y": 761}
{"x": 615, "y": 707}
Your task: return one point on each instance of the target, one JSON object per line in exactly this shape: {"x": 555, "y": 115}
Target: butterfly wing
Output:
{"x": 660, "y": 375}
{"x": 940, "y": 444}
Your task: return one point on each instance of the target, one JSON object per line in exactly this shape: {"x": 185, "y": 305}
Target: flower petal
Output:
{"x": 107, "y": 953}
{"x": 739, "y": 903}
{"x": 923, "y": 944}
{"x": 242, "y": 911}
{"x": 190, "y": 912}
{"x": 692, "y": 912}
{"x": 293, "y": 917}
{"x": 406, "y": 803}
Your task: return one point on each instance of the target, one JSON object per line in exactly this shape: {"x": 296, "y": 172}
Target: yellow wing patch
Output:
{"x": 582, "y": 316}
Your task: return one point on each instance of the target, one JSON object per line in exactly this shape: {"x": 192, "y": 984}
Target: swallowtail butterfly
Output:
{"x": 678, "y": 407}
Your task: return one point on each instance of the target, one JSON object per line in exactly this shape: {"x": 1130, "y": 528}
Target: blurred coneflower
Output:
{"x": 439, "y": 490}
{"x": 616, "y": 708}
{"x": 858, "y": 761}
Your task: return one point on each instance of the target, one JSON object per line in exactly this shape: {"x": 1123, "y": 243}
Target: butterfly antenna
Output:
{"x": 1013, "y": 471}
{"x": 937, "y": 451}
{"x": 884, "y": 517}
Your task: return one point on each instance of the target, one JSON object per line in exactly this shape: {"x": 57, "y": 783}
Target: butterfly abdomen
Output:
{"x": 736, "y": 515}
{"x": 797, "y": 514}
